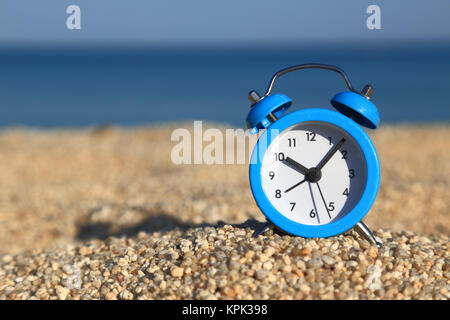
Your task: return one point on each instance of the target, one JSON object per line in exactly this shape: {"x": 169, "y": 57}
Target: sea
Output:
{"x": 54, "y": 87}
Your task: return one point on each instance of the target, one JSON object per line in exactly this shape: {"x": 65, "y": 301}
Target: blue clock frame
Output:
{"x": 333, "y": 228}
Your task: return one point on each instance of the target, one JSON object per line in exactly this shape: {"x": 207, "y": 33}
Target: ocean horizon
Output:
{"x": 131, "y": 86}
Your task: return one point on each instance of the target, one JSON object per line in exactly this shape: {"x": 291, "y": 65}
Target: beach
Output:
{"x": 103, "y": 213}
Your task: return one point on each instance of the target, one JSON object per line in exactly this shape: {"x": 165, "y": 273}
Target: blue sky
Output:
{"x": 224, "y": 21}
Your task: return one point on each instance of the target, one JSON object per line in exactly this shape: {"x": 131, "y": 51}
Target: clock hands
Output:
{"x": 313, "y": 175}
{"x": 314, "y": 202}
{"x": 323, "y": 199}
{"x": 295, "y": 185}
{"x": 330, "y": 154}
{"x": 296, "y": 166}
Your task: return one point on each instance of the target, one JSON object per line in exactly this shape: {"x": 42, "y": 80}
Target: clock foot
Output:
{"x": 263, "y": 228}
{"x": 365, "y": 232}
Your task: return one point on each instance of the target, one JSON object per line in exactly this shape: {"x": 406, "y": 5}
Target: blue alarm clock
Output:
{"x": 314, "y": 172}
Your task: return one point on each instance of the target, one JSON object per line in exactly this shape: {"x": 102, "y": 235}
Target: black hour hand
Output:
{"x": 295, "y": 165}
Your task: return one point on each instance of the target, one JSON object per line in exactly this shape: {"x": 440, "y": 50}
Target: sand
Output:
{"x": 103, "y": 213}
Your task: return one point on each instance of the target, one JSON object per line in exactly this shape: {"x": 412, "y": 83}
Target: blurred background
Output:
{"x": 142, "y": 62}
{"x": 139, "y": 63}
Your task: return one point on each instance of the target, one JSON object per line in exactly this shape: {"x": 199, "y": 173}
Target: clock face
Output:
{"x": 314, "y": 173}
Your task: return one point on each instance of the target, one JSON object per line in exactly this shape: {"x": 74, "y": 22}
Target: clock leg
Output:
{"x": 365, "y": 232}
{"x": 263, "y": 228}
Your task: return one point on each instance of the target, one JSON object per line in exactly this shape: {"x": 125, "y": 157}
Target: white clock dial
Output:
{"x": 308, "y": 183}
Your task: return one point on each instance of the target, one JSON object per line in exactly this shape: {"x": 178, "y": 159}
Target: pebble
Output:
{"x": 111, "y": 296}
{"x": 261, "y": 274}
{"x": 305, "y": 252}
{"x": 7, "y": 258}
{"x": 126, "y": 295}
{"x": 84, "y": 251}
{"x": 229, "y": 292}
{"x": 176, "y": 272}
{"x": 62, "y": 292}
{"x": 122, "y": 262}
{"x": 267, "y": 265}
{"x": 315, "y": 262}
{"x": 328, "y": 260}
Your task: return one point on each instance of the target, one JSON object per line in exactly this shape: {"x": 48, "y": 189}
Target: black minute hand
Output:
{"x": 330, "y": 154}
{"x": 297, "y": 166}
